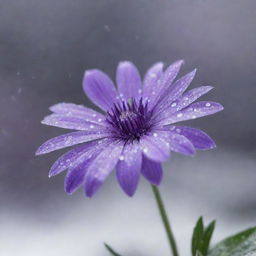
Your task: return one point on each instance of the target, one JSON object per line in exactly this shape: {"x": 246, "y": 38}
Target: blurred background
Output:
{"x": 45, "y": 46}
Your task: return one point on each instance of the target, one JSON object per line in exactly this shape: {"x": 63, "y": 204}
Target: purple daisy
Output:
{"x": 135, "y": 134}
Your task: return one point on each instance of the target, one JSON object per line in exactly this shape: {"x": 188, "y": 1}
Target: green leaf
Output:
{"x": 197, "y": 236}
{"x": 201, "y": 238}
{"x": 241, "y": 244}
{"x": 207, "y": 237}
{"x": 112, "y": 252}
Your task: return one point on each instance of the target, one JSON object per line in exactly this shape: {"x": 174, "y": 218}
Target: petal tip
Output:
{"x": 213, "y": 145}
{"x": 39, "y": 152}
{"x": 125, "y": 62}
{"x": 88, "y": 194}
{"x": 90, "y": 74}
{"x": 208, "y": 88}
{"x": 129, "y": 195}
{"x": 51, "y": 173}
{"x": 194, "y": 71}
{"x": 44, "y": 121}
{"x": 181, "y": 61}
{"x": 68, "y": 190}
{"x": 90, "y": 71}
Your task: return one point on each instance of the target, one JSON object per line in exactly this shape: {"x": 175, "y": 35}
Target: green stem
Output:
{"x": 165, "y": 220}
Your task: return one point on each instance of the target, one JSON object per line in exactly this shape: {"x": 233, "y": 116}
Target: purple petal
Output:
{"x": 70, "y": 122}
{"x": 128, "y": 168}
{"x": 68, "y": 159}
{"x": 155, "y": 146}
{"x": 165, "y": 82}
{"x": 68, "y": 140}
{"x": 191, "y": 96}
{"x": 152, "y": 171}
{"x": 75, "y": 177}
{"x": 199, "y": 139}
{"x": 175, "y": 91}
{"x": 151, "y": 78}
{"x": 70, "y": 109}
{"x": 180, "y": 144}
{"x": 195, "y": 110}
{"x": 99, "y": 88}
{"x": 76, "y": 174}
{"x": 128, "y": 80}
{"x": 179, "y": 87}
{"x": 101, "y": 167}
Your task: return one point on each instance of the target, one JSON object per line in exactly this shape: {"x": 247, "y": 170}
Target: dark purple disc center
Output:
{"x": 130, "y": 120}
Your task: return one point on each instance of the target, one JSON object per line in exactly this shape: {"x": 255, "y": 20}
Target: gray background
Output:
{"x": 45, "y": 46}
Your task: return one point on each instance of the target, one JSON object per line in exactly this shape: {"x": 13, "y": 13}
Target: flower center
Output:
{"x": 129, "y": 120}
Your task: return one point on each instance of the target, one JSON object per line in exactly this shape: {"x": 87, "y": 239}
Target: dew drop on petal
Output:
{"x": 179, "y": 115}
{"x": 172, "y": 127}
{"x": 68, "y": 140}
{"x": 145, "y": 150}
{"x": 174, "y": 104}
{"x": 152, "y": 75}
{"x": 208, "y": 104}
{"x": 121, "y": 158}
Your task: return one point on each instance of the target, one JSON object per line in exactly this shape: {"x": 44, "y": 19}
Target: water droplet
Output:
{"x": 121, "y": 158}
{"x": 145, "y": 150}
{"x": 172, "y": 127}
{"x": 179, "y": 115}
{"x": 91, "y": 126}
{"x": 174, "y": 104}
{"x": 208, "y": 104}
{"x": 155, "y": 134}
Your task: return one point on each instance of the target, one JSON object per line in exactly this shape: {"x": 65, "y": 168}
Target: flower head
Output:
{"x": 135, "y": 134}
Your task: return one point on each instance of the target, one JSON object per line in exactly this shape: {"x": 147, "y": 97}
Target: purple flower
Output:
{"x": 136, "y": 132}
